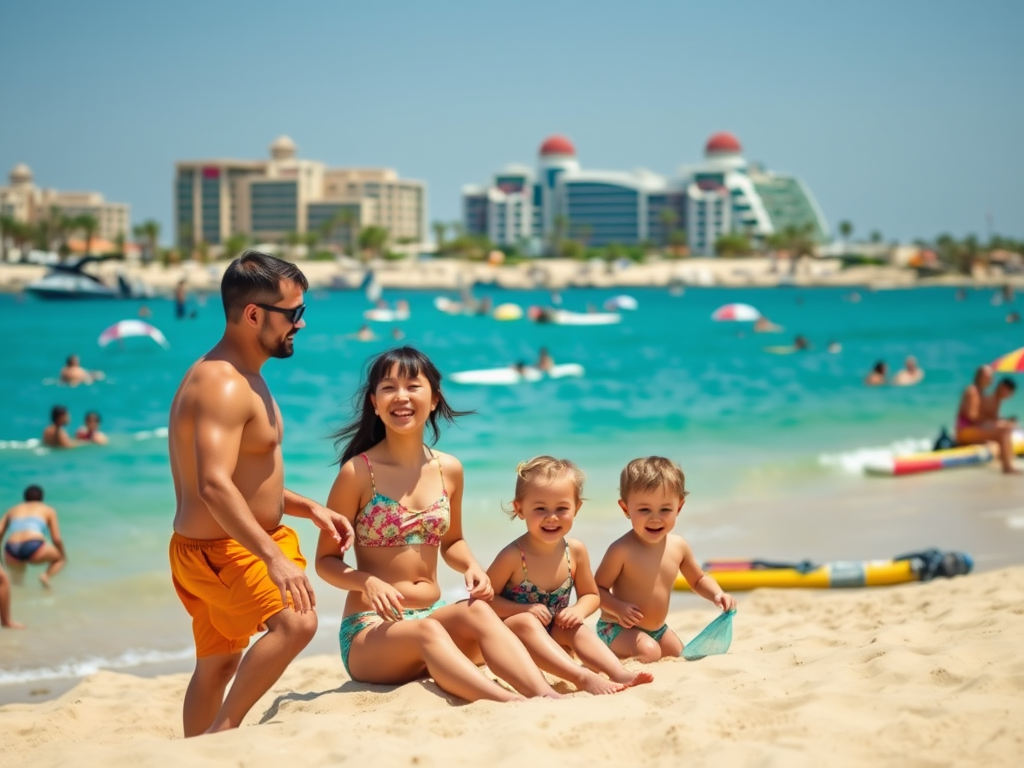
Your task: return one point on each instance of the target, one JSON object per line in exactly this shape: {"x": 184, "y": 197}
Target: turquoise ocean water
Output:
{"x": 745, "y": 424}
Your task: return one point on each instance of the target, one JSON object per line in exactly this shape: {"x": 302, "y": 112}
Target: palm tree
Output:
{"x": 235, "y": 244}
{"x": 149, "y": 232}
{"x": 373, "y": 239}
{"x": 559, "y": 226}
{"x": 440, "y": 230}
{"x": 7, "y": 227}
{"x": 88, "y": 224}
{"x": 668, "y": 218}
{"x": 876, "y": 236}
{"x": 845, "y": 230}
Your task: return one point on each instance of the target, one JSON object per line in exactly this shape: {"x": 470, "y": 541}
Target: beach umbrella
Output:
{"x": 1011, "y": 362}
{"x": 129, "y": 328}
{"x": 738, "y": 312}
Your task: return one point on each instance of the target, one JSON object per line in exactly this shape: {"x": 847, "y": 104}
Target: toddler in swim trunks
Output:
{"x": 636, "y": 576}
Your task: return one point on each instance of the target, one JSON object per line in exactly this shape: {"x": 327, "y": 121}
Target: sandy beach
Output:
{"x": 921, "y": 674}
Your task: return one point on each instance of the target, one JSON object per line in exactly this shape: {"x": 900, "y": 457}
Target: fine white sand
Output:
{"x": 916, "y": 675}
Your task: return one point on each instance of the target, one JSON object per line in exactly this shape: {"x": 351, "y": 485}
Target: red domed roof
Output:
{"x": 723, "y": 142}
{"x": 557, "y": 145}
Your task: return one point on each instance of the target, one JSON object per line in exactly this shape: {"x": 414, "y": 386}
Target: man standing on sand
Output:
{"x": 236, "y": 569}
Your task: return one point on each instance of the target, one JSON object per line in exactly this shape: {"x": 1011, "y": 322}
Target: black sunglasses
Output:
{"x": 293, "y": 314}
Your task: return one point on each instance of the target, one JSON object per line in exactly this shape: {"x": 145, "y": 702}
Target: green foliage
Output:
{"x": 733, "y": 245}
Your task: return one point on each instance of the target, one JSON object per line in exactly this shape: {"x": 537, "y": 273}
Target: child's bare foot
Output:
{"x": 600, "y": 686}
{"x": 629, "y": 679}
{"x": 44, "y": 580}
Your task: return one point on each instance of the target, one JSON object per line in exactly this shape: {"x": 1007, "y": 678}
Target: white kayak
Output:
{"x": 509, "y": 375}
{"x": 564, "y": 317}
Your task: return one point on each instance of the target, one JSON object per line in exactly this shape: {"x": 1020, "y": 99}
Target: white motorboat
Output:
{"x": 71, "y": 281}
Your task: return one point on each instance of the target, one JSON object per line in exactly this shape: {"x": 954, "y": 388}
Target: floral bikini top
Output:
{"x": 527, "y": 592}
{"x": 384, "y": 522}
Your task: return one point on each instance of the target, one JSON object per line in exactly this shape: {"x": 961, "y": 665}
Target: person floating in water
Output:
{"x": 973, "y": 428}
{"x": 74, "y": 374}
{"x": 910, "y": 374}
{"x": 365, "y": 333}
{"x": 26, "y": 525}
{"x": 878, "y": 373}
{"x": 55, "y": 435}
{"x": 180, "y": 299}
{"x": 544, "y": 360}
{"x": 764, "y": 325}
{"x": 800, "y": 343}
{"x": 90, "y": 430}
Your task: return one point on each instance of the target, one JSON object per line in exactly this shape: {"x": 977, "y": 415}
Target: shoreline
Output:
{"x": 539, "y": 274}
{"x": 925, "y": 669}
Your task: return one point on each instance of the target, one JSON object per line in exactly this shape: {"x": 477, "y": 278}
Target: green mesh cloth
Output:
{"x": 716, "y": 637}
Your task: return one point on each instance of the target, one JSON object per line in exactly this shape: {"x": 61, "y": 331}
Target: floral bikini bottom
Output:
{"x": 355, "y": 623}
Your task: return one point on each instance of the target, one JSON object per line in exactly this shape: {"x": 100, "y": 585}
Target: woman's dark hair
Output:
{"x": 33, "y": 493}
{"x": 255, "y": 278}
{"x": 879, "y": 367}
{"x": 366, "y": 429}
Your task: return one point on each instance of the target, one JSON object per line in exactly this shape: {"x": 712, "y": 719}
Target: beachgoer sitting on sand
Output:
{"x": 54, "y": 435}
{"x": 74, "y": 374}
{"x": 910, "y": 374}
{"x": 395, "y": 627}
{"x": 877, "y": 376}
{"x": 764, "y": 325}
{"x": 544, "y": 360}
{"x": 26, "y": 525}
{"x": 971, "y": 426}
{"x": 639, "y": 569}
{"x": 990, "y": 404}
{"x": 90, "y": 430}
{"x": 538, "y": 572}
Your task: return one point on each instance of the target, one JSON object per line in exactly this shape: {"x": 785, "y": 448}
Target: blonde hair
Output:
{"x": 545, "y": 469}
{"x": 650, "y": 474}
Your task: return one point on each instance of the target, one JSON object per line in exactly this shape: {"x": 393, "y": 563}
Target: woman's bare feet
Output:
{"x": 44, "y": 579}
{"x": 591, "y": 682}
{"x": 629, "y": 679}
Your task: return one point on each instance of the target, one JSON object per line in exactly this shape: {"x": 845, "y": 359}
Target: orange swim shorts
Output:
{"x": 226, "y": 590}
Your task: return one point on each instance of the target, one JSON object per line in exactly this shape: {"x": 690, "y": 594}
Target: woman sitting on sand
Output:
{"x": 395, "y": 627}
{"x": 972, "y": 427}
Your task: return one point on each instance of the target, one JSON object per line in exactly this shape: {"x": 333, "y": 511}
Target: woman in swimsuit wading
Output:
{"x": 405, "y": 503}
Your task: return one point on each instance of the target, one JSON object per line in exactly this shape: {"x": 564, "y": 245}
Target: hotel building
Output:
{"x": 270, "y": 199}
{"x": 722, "y": 195}
{"x": 23, "y": 201}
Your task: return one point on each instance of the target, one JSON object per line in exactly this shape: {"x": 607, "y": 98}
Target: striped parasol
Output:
{"x": 1011, "y": 362}
{"x": 735, "y": 312}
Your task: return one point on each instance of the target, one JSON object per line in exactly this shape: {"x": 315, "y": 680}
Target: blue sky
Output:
{"x": 904, "y": 116}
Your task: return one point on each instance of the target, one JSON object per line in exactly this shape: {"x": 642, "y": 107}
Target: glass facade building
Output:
{"x": 598, "y": 208}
